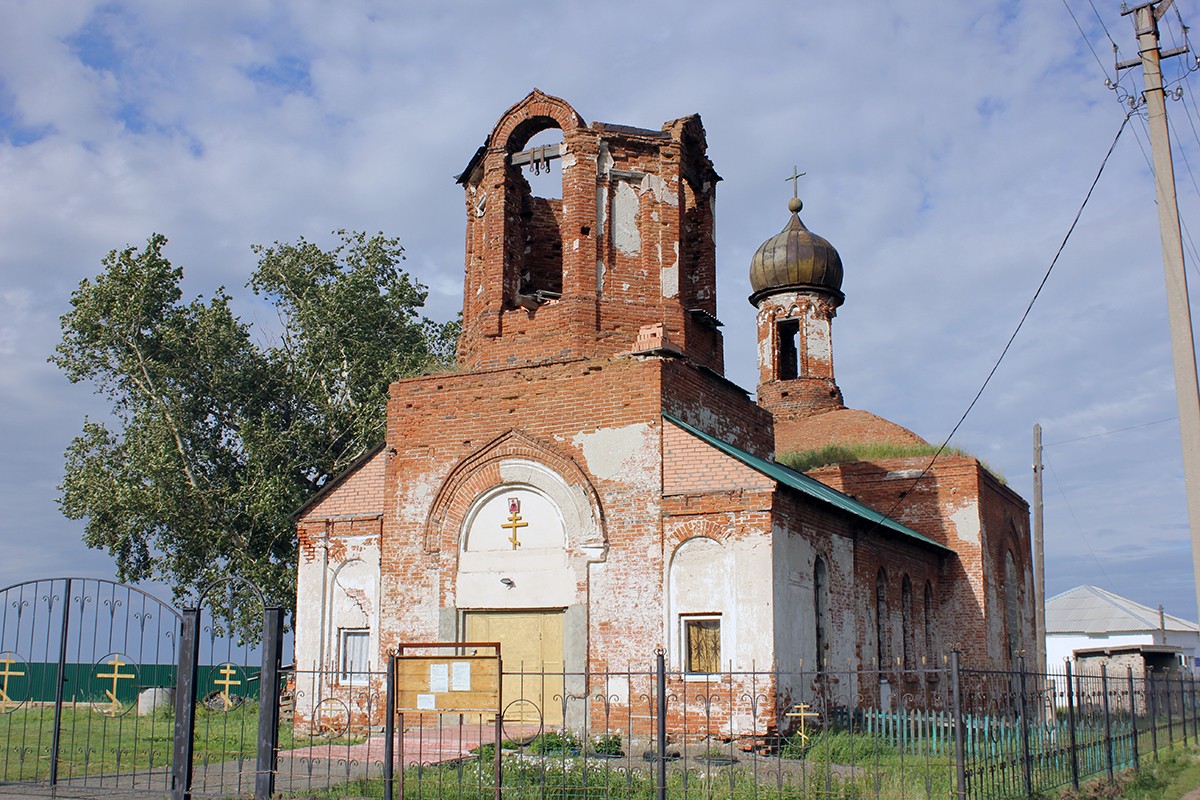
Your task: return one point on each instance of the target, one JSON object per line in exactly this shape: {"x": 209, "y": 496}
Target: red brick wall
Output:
{"x": 607, "y": 293}
{"x": 958, "y": 504}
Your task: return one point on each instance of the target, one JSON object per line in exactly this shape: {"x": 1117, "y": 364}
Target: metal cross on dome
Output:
{"x": 794, "y": 177}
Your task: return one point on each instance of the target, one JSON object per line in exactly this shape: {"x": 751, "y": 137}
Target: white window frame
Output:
{"x": 357, "y": 675}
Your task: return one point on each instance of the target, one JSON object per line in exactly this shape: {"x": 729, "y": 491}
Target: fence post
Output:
{"x": 1133, "y": 729}
{"x": 1195, "y": 717}
{"x": 185, "y": 705}
{"x": 1108, "y": 742}
{"x": 1026, "y": 760}
{"x": 960, "y": 735}
{"x": 1170, "y": 712}
{"x": 660, "y": 658}
{"x": 1183, "y": 709}
{"x": 1152, "y": 707}
{"x": 267, "y": 760}
{"x": 56, "y": 735}
{"x": 389, "y": 729}
{"x": 1071, "y": 729}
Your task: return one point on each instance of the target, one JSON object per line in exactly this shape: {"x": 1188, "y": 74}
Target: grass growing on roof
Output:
{"x": 805, "y": 460}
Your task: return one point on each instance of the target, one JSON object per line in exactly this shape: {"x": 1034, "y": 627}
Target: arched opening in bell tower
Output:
{"x": 534, "y": 240}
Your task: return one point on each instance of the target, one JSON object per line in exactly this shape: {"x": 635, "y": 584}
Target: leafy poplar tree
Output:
{"x": 215, "y": 438}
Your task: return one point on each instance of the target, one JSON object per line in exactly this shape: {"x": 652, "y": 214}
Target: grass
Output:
{"x": 1173, "y": 776}
{"x": 806, "y": 460}
{"x": 869, "y": 771}
{"x": 95, "y": 744}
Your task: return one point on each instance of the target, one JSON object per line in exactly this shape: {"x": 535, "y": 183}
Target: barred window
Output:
{"x": 702, "y": 644}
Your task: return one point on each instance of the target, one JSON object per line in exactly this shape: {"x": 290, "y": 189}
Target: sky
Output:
{"x": 947, "y": 146}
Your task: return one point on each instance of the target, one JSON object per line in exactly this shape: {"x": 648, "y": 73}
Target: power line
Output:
{"x": 1020, "y": 323}
{"x": 1100, "y": 19}
{"x": 1110, "y": 433}
{"x": 1075, "y": 519}
{"x": 1088, "y": 41}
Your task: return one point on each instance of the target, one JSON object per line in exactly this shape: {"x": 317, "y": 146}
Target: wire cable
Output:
{"x": 1087, "y": 41}
{"x": 1100, "y": 19}
{"x": 1110, "y": 433}
{"x": 1029, "y": 308}
{"x": 1075, "y": 519}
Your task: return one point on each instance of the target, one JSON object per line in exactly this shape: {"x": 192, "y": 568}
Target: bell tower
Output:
{"x": 797, "y": 280}
{"x": 628, "y": 248}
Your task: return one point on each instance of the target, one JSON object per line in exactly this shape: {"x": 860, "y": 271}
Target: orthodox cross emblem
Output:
{"x": 114, "y": 705}
{"x": 514, "y": 521}
{"x": 795, "y": 176}
{"x": 8, "y": 661}
{"x": 804, "y": 712}
{"x": 225, "y": 681}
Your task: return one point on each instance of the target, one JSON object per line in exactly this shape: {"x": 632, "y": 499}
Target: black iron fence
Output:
{"x": 106, "y": 689}
{"x": 932, "y": 732}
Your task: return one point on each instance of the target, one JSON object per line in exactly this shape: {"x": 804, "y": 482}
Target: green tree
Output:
{"x": 219, "y": 431}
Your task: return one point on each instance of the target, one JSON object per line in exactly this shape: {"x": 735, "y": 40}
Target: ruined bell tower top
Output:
{"x": 627, "y": 243}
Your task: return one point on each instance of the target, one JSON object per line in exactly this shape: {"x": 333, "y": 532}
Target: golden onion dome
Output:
{"x": 796, "y": 259}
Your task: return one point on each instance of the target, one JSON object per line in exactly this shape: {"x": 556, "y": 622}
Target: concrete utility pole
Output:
{"x": 1145, "y": 23}
{"x": 1039, "y": 552}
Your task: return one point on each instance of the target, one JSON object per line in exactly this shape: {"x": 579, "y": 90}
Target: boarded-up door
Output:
{"x": 531, "y": 648}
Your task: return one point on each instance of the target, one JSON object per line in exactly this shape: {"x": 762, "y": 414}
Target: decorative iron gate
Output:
{"x": 87, "y": 685}
{"x": 105, "y": 688}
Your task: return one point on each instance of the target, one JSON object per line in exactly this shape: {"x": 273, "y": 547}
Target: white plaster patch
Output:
{"x": 670, "y": 280}
{"x": 662, "y": 193}
{"x": 575, "y": 244}
{"x": 670, "y": 275}
{"x": 626, "y": 205}
{"x": 818, "y": 344}
{"x": 618, "y": 453}
{"x": 904, "y": 474}
{"x": 601, "y": 207}
{"x": 568, "y": 161}
{"x": 601, "y": 270}
{"x": 604, "y": 161}
{"x": 966, "y": 523}
{"x": 617, "y": 688}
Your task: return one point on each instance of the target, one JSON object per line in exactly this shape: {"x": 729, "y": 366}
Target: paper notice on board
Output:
{"x": 460, "y": 676}
{"x": 426, "y": 702}
{"x": 439, "y": 678}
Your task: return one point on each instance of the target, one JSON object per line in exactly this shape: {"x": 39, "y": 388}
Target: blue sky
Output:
{"x": 947, "y": 148}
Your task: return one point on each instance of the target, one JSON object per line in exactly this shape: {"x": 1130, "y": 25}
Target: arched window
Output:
{"x": 882, "y": 652}
{"x": 821, "y": 610}
{"x": 930, "y": 646}
{"x": 1012, "y": 607}
{"x": 906, "y": 623}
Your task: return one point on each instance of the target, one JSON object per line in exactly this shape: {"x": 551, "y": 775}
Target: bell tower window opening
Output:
{"x": 536, "y": 245}
{"x": 787, "y": 333}
{"x": 540, "y": 161}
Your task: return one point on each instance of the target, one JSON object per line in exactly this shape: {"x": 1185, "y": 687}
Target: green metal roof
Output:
{"x": 806, "y": 485}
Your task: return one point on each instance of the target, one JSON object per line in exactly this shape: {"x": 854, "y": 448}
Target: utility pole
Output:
{"x": 1039, "y": 552}
{"x": 1145, "y": 24}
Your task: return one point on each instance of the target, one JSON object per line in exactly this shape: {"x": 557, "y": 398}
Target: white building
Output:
{"x": 1088, "y": 617}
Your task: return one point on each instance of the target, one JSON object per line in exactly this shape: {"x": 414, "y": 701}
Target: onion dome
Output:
{"x": 796, "y": 259}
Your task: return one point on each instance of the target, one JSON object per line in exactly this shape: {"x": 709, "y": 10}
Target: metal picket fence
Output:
{"x": 105, "y": 689}
{"x": 937, "y": 731}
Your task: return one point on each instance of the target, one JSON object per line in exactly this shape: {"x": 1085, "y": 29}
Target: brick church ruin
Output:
{"x": 587, "y": 486}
